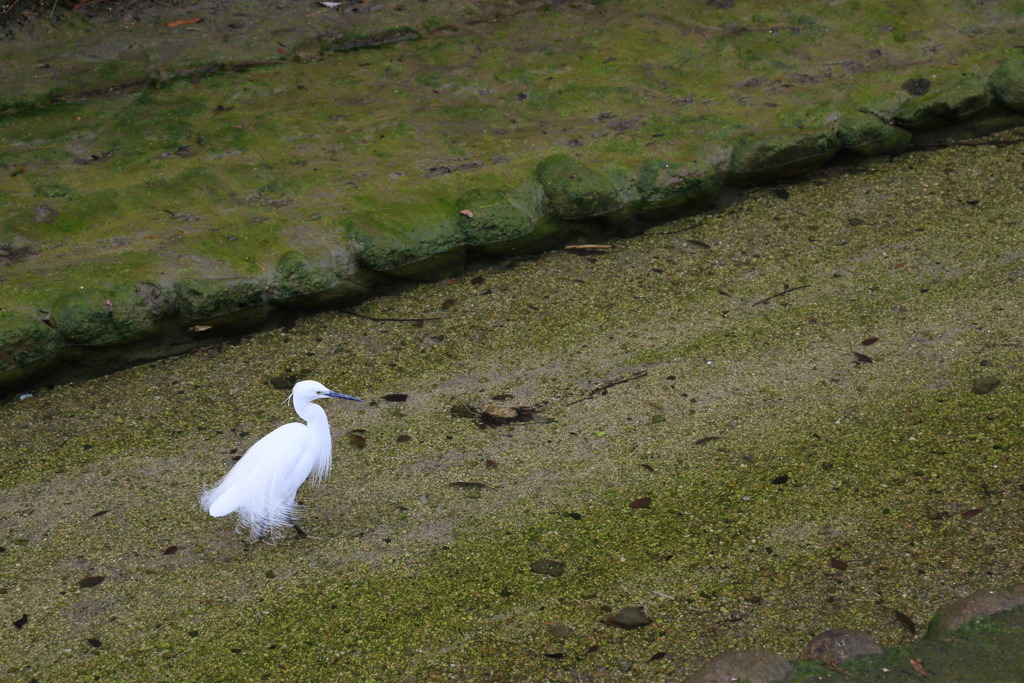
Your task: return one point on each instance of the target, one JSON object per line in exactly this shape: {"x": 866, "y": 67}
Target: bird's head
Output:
{"x": 309, "y": 390}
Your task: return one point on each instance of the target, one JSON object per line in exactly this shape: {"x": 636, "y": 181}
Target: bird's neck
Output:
{"x": 312, "y": 414}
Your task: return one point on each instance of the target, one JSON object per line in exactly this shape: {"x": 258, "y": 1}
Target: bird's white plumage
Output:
{"x": 261, "y": 487}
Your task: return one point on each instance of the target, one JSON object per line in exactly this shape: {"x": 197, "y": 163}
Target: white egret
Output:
{"x": 261, "y": 486}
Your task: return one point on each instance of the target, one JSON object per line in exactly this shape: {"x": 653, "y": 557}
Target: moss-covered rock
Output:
{"x": 414, "y": 240}
{"x": 307, "y": 282}
{"x": 944, "y": 103}
{"x": 667, "y": 188}
{"x": 983, "y": 603}
{"x": 576, "y": 191}
{"x": 869, "y": 135}
{"x": 487, "y": 217}
{"x": 763, "y": 157}
{"x": 295, "y": 275}
{"x": 508, "y": 223}
{"x": 1007, "y": 84}
{"x": 97, "y": 317}
{"x": 201, "y": 298}
{"x": 24, "y": 340}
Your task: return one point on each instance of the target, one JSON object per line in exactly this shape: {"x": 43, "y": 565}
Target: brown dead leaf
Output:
{"x": 918, "y": 666}
{"x": 184, "y": 22}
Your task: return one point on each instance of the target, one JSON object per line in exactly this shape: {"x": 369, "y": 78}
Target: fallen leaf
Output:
{"x": 586, "y": 247}
{"x": 171, "y": 550}
{"x": 478, "y": 280}
{"x": 972, "y": 512}
{"x": 91, "y": 581}
{"x": 404, "y": 438}
{"x": 838, "y": 564}
{"x": 862, "y": 358}
{"x": 95, "y": 642}
{"x": 869, "y": 341}
{"x": 918, "y": 666}
{"x": 395, "y": 398}
{"x": 640, "y": 503}
{"x": 183, "y": 22}
{"x": 905, "y": 621}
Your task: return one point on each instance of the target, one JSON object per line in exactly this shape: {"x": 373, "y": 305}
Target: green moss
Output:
{"x": 947, "y": 101}
{"x": 1007, "y": 84}
{"x": 868, "y": 135}
{"x": 574, "y": 190}
{"x": 667, "y": 187}
{"x": 101, "y": 316}
{"x": 24, "y": 339}
{"x": 200, "y": 298}
{"x": 759, "y": 157}
{"x": 400, "y": 235}
{"x": 295, "y": 275}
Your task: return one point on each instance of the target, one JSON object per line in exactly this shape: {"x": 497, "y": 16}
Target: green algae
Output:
{"x": 575, "y": 190}
{"x": 201, "y": 298}
{"x": 25, "y": 339}
{"x": 414, "y": 577}
{"x": 866, "y": 134}
{"x": 98, "y": 316}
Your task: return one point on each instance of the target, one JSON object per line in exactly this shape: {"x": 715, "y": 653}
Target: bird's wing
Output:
{"x": 255, "y": 486}
{"x": 225, "y": 502}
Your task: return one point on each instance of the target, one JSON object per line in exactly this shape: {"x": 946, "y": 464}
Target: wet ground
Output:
{"x": 800, "y": 413}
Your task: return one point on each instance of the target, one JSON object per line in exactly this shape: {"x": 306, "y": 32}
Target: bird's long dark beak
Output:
{"x": 335, "y": 394}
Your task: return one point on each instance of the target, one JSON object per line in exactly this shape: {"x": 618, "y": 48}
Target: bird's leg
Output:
{"x": 261, "y": 535}
{"x": 298, "y": 529}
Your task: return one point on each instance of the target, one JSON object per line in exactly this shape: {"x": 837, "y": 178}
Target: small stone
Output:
{"x": 986, "y": 384}
{"x": 742, "y": 665}
{"x": 560, "y": 631}
{"x": 978, "y": 604}
{"x": 549, "y": 567}
{"x": 631, "y": 617}
{"x": 835, "y": 646}
{"x": 44, "y": 214}
{"x": 501, "y": 413}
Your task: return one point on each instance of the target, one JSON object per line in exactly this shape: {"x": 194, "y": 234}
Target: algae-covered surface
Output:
{"x": 291, "y": 150}
{"x": 803, "y": 412}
